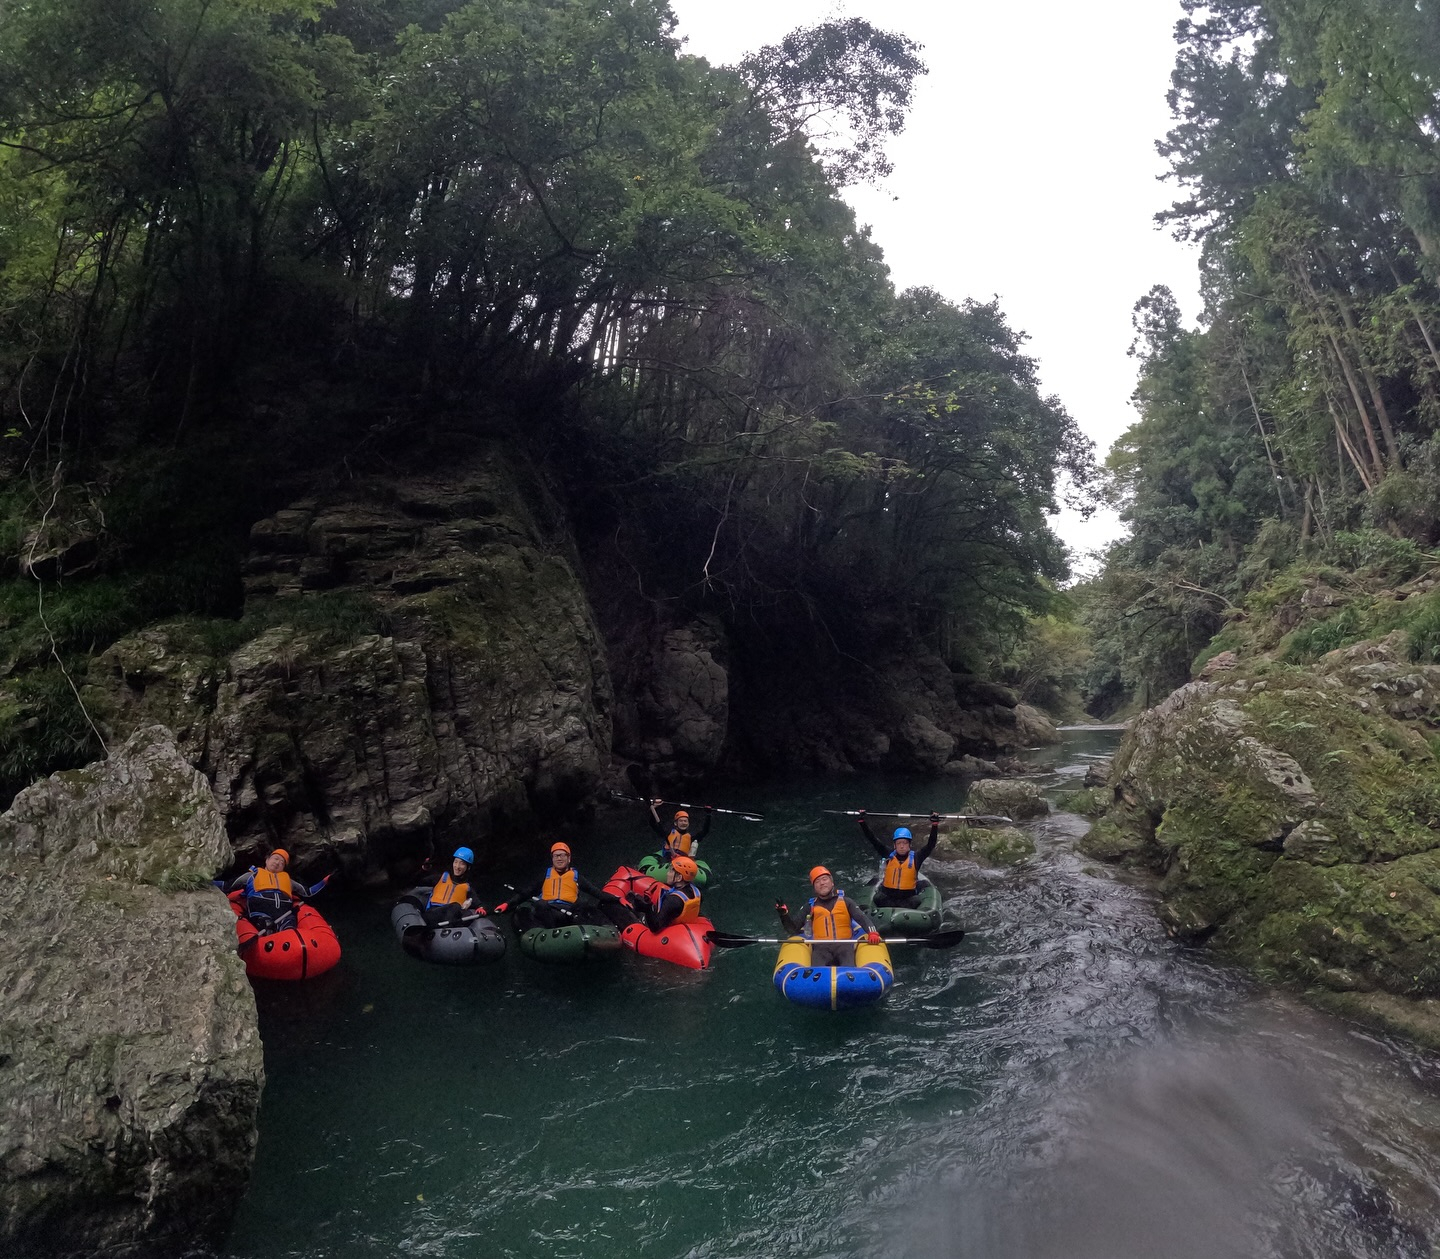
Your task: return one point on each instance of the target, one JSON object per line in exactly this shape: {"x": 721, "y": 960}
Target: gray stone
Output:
{"x": 1006, "y": 797}
{"x": 130, "y": 1064}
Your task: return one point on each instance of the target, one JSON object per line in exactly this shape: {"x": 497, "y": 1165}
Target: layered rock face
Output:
{"x": 1295, "y": 816}
{"x": 430, "y": 672}
{"x": 130, "y": 1064}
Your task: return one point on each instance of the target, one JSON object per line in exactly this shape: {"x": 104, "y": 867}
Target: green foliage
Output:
{"x": 42, "y": 729}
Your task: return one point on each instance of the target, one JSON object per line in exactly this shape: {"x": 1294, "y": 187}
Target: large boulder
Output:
{"x": 130, "y": 1064}
{"x": 1007, "y": 797}
{"x": 418, "y": 664}
{"x": 1295, "y": 816}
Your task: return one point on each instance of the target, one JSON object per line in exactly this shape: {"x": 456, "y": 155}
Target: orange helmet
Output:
{"x": 561, "y": 846}
{"x": 681, "y": 815}
{"x": 282, "y": 854}
{"x": 817, "y": 871}
{"x": 685, "y": 867}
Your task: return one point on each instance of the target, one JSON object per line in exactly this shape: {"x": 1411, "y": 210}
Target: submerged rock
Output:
{"x": 994, "y": 845}
{"x": 1007, "y": 797}
{"x": 130, "y": 1065}
{"x": 1295, "y": 816}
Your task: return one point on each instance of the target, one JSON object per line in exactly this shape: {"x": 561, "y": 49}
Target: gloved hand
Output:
{"x": 709, "y": 808}
{"x": 480, "y": 910}
{"x": 502, "y": 907}
{"x": 781, "y": 908}
{"x": 873, "y": 938}
{"x": 861, "y": 812}
{"x": 934, "y": 818}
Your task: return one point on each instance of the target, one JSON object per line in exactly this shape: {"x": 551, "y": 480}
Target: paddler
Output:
{"x": 453, "y": 896}
{"x": 271, "y": 895}
{"x": 554, "y": 901}
{"x": 676, "y": 900}
{"x": 831, "y": 922}
{"x": 678, "y": 839}
{"x": 900, "y": 873}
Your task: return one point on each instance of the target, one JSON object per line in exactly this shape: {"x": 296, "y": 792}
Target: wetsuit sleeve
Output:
{"x": 704, "y": 830}
{"x": 530, "y": 893}
{"x": 792, "y": 925}
{"x": 671, "y": 907}
{"x": 656, "y": 825}
{"x": 929, "y": 845}
{"x": 859, "y": 915}
{"x": 236, "y": 884}
{"x": 870, "y": 835}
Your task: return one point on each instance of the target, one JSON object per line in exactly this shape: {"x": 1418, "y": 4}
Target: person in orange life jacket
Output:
{"x": 678, "y": 838}
{"x": 678, "y": 899}
{"x": 900, "y": 874}
{"x": 271, "y": 895}
{"x": 453, "y": 896}
{"x": 554, "y": 901}
{"x": 831, "y": 922}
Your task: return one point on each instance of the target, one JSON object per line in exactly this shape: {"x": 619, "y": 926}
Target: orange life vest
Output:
{"x": 831, "y": 924}
{"x": 448, "y": 892}
{"x": 681, "y": 842}
{"x": 561, "y": 887}
{"x": 263, "y": 880}
{"x": 692, "y": 901}
{"x": 900, "y": 875}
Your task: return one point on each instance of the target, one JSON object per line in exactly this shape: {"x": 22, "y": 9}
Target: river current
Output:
{"x": 1066, "y": 1084}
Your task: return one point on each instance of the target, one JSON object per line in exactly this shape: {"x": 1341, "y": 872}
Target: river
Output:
{"x": 1066, "y": 1084}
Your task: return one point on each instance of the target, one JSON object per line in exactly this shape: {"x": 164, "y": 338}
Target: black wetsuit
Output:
{"x": 829, "y": 952}
{"x": 531, "y": 911}
{"x": 895, "y": 898}
{"x": 672, "y": 905}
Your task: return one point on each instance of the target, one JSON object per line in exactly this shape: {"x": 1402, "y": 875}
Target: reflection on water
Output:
{"x": 1065, "y": 1085}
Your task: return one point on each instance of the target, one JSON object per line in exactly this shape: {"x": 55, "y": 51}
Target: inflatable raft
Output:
{"x": 307, "y": 949}
{"x": 683, "y": 944}
{"x": 468, "y": 944}
{"x": 577, "y": 942}
{"x": 659, "y": 870}
{"x": 890, "y": 921}
{"x": 833, "y": 987}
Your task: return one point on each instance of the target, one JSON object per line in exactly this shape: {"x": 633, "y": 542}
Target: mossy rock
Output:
{"x": 996, "y": 846}
{"x": 1087, "y": 802}
{"x": 1006, "y": 797}
{"x": 1295, "y": 815}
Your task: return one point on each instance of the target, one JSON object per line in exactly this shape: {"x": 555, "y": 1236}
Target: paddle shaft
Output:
{"x": 940, "y": 940}
{"x": 680, "y": 804}
{"x": 924, "y": 817}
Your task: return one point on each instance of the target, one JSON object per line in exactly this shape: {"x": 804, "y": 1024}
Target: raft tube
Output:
{"x": 659, "y": 870}
{"x": 577, "y": 942}
{"x": 682, "y": 944}
{"x": 891, "y": 921}
{"x": 303, "y": 951}
{"x": 833, "y": 987}
{"x": 468, "y": 944}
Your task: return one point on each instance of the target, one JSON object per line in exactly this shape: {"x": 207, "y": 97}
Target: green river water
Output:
{"x": 1066, "y": 1084}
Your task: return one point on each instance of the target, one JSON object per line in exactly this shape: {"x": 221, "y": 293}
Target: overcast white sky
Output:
{"x": 1028, "y": 171}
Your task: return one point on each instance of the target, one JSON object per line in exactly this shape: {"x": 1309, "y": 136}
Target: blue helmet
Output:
{"x": 466, "y": 856}
{"x": 901, "y": 832}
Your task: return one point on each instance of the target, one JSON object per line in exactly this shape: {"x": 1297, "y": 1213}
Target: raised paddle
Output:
{"x": 925, "y": 817}
{"x": 680, "y": 804}
{"x": 940, "y": 940}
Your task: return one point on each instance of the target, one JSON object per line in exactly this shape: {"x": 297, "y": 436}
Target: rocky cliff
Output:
{"x": 1294, "y": 813}
{"x": 423, "y": 668}
{"x": 130, "y": 1066}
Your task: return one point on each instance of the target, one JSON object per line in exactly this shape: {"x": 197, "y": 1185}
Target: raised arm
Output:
{"x": 656, "y": 824}
{"x": 705, "y": 828}
{"x": 870, "y": 835}
{"x": 788, "y": 922}
{"x": 931, "y": 842}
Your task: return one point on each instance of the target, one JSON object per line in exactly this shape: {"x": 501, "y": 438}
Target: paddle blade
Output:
{"x": 726, "y": 940}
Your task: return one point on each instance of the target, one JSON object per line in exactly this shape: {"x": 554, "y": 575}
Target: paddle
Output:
{"x": 925, "y": 817}
{"x": 940, "y": 940}
{"x": 744, "y": 814}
